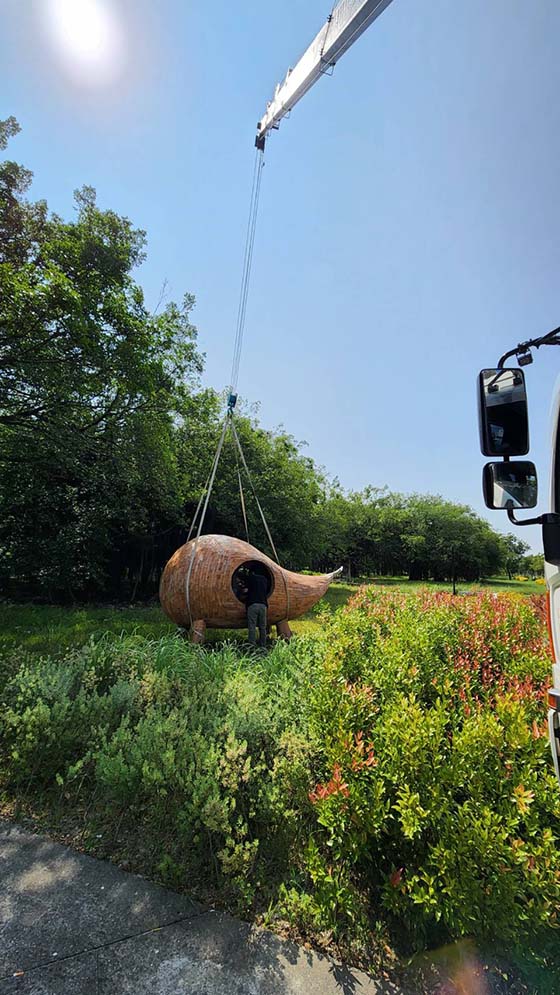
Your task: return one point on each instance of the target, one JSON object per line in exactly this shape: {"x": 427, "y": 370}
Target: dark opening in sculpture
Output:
{"x": 241, "y": 576}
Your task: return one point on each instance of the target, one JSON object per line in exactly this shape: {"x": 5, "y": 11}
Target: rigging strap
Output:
{"x": 265, "y": 523}
{"x": 198, "y": 507}
{"x": 202, "y": 507}
{"x": 250, "y": 479}
{"x": 241, "y": 495}
{"x": 204, "y": 510}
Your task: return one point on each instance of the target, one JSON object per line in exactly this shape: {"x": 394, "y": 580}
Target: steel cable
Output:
{"x": 246, "y": 272}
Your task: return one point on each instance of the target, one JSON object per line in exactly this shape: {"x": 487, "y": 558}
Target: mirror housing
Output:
{"x": 551, "y": 541}
{"x": 510, "y": 485}
{"x": 503, "y": 418}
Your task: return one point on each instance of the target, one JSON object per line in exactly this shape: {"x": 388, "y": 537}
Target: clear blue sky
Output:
{"x": 409, "y": 230}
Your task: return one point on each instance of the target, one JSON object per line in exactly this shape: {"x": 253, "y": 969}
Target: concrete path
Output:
{"x": 73, "y": 925}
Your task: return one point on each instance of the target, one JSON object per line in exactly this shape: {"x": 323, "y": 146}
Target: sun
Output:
{"x": 88, "y": 36}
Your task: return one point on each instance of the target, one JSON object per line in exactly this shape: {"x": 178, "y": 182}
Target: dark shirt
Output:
{"x": 257, "y": 590}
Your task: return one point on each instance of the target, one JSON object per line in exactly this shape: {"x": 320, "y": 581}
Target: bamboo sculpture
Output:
{"x": 199, "y": 583}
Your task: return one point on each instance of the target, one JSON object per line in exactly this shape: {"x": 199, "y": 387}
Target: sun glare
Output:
{"x": 88, "y": 35}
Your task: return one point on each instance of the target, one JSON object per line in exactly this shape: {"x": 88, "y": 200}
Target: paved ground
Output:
{"x": 73, "y": 925}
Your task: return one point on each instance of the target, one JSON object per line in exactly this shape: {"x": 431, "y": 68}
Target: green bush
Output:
{"x": 207, "y": 770}
{"x": 53, "y": 713}
{"x": 437, "y": 800}
{"x": 206, "y": 751}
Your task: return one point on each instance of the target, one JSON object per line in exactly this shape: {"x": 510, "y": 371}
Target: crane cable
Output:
{"x": 246, "y": 272}
{"x": 238, "y": 342}
{"x": 202, "y": 508}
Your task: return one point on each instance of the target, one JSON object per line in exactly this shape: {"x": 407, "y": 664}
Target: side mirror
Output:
{"x": 510, "y": 485}
{"x": 502, "y": 413}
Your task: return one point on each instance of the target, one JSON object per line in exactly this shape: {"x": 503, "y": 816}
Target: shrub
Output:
{"x": 437, "y": 800}
{"x": 53, "y": 713}
{"x": 208, "y": 774}
{"x": 394, "y": 767}
{"x": 205, "y": 750}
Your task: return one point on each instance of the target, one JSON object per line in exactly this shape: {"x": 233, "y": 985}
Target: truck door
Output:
{"x": 553, "y": 582}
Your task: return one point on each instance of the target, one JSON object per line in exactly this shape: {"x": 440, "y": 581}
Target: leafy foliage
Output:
{"x": 90, "y": 385}
{"x": 195, "y": 749}
{"x": 392, "y": 769}
{"x": 425, "y": 537}
{"x": 438, "y": 801}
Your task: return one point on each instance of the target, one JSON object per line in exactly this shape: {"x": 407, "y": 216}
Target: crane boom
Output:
{"x": 348, "y": 20}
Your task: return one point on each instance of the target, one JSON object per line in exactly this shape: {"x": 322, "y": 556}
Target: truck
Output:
{"x": 510, "y": 484}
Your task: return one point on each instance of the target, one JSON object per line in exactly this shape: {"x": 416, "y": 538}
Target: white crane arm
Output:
{"x": 349, "y": 19}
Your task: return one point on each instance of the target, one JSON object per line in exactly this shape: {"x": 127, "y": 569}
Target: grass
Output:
{"x": 49, "y": 629}
{"x": 496, "y": 584}
{"x": 52, "y": 629}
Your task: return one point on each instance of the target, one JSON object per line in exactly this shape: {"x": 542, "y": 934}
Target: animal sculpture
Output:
{"x": 202, "y": 584}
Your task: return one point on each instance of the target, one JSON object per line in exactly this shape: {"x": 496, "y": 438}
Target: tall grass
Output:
{"x": 49, "y": 629}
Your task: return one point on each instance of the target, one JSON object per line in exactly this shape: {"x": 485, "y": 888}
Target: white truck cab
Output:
{"x": 511, "y": 484}
{"x": 552, "y": 573}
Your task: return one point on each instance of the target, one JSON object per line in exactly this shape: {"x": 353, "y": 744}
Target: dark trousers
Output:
{"x": 256, "y": 616}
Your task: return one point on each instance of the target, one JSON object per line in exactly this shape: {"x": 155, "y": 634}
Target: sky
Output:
{"x": 409, "y": 224}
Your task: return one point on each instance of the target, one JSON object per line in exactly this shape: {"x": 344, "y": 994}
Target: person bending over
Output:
{"x": 256, "y": 599}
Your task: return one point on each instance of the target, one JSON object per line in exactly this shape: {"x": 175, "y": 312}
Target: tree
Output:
{"x": 421, "y": 535}
{"x": 514, "y": 550}
{"x": 534, "y": 565}
{"x": 91, "y": 387}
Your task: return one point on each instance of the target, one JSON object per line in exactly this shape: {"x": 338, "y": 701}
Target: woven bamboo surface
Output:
{"x": 212, "y": 599}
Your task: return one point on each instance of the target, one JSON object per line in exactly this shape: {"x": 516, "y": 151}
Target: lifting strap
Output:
{"x": 210, "y": 484}
{"x": 204, "y": 500}
{"x": 265, "y": 523}
{"x": 241, "y": 495}
{"x": 250, "y": 479}
{"x": 202, "y": 506}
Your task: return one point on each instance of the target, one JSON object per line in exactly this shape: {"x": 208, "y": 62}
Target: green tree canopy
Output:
{"x": 514, "y": 551}
{"x": 90, "y": 386}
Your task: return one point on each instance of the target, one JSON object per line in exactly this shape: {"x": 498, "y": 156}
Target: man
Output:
{"x": 256, "y": 599}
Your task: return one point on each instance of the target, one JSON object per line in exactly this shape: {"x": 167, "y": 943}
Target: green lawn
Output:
{"x": 48, "y": 629}
{"x": 498, "y": 584}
